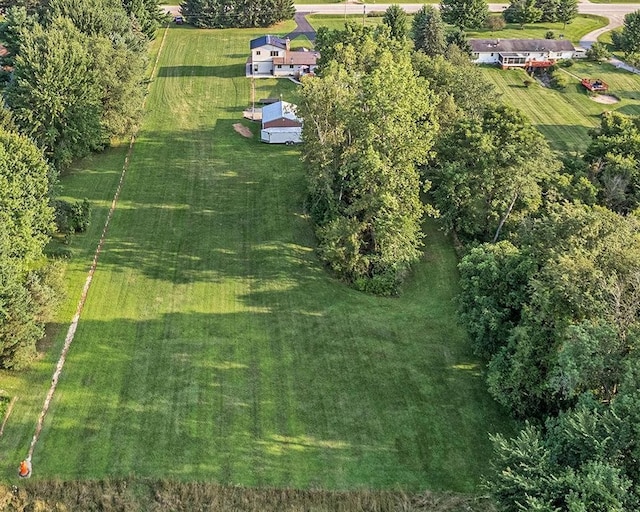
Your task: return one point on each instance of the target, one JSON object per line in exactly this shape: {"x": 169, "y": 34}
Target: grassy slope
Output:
{"x": 214, "y": 346}
{"x": 566, "y": 117}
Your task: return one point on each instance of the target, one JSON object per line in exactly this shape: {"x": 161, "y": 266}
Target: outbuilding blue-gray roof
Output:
{"x": 273, "y": 40}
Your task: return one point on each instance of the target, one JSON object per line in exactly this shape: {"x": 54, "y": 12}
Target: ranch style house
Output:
{"x": 271, "y": 56}
{"x": 521, "y": 53}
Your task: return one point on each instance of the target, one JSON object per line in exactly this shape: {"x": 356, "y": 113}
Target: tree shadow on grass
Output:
{"x": 229, "y": 71}
{"x": 281, "y": 398}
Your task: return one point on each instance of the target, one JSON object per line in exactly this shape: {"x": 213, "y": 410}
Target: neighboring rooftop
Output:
{"x": 279, "y": 110}
{"x": 298, "y": 58}
{"x": 520, "y": 45}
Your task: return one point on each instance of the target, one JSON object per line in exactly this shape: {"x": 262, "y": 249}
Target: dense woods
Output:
{"x": 550, "y": 267}
{"x": 75, "y": 82}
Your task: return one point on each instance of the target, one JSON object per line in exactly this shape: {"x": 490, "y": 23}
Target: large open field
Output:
{"x": 213, "y": 346}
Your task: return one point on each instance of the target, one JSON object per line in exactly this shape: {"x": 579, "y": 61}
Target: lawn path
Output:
{"x": 85, "y": 290}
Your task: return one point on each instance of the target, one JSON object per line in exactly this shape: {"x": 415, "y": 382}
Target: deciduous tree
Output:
{"x": 464, "y": 13}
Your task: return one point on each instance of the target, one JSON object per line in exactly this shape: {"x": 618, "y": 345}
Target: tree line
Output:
{"x": 236, "y": 13}
{"x": 73, "y": 80}
{"x": 399, "y": 123}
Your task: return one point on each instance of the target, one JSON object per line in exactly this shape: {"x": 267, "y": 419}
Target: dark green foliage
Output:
{"x": 598, "y": 52}
{"x": 428, "y": 31}
{"x": 396, "y": 19}
{"x": 522, "y": 12}
{"x": 464, "y": 13}
{"x": 16, "y": 20}
{"x": 585, "y": 459}
{"x": 493, "y": 282}
{"x": 566, "y": 11}
{"x": 368, "y": 123}
{"x": 485, "y": 175}
{"x": 458, "y": 38}
{"x": 236, "y": 13}
{"x": 78, "y": 78}
{"x": 559, "y": 79}
{"x": 72, "y": 217}
{"x": 613, "y": 161}
{"x": 463, "y": 91}
{"x": 54, "y": 94}
{"x": 628, "y": 39}
{"x": 25, "y": 223}
{"x": 146, "y": 13}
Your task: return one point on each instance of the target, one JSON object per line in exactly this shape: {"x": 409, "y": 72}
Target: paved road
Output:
{"x": 612, "y": 11}
{"x": 607, "y": 10}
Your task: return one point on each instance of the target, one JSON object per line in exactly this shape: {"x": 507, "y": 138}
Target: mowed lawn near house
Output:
{"x": 214, "y": 346}
{"x": 565, "y": 117}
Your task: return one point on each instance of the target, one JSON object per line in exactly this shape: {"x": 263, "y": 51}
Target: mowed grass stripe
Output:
{"x": 565, "y": 117}
{"x": 214, "y": 346}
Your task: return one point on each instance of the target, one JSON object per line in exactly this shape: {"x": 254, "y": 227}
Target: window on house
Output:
{"x": 279, "y": 66}
{"x": 255, "y": 68}
{"x": 257, "y": 52}
{"x": 290, "y": 66}
{"x": 492, "y": 54}
{"x": 274, "y": 53}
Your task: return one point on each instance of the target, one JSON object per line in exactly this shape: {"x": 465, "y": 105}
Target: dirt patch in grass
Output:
{"x": 242, "y": 130}
{"x": 607, "y": 99}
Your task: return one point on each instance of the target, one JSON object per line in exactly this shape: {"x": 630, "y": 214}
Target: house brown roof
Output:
{"x": 298, "y": 58}
{"x": 520, "y": 45}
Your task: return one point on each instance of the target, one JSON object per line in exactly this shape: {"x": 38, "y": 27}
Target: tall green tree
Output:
{"x": 485, "y": 174}
{"x": 26, "y": 220}
{"x": 15, "y": 22}
{"x": 628, "y": 39}
{"x": 522, "y": 12}
{"x": 396, "y": 19}
{"x": 362, "y": 148}
{"x": 567, "y": 11}
{"x": 236, "y": 13}
{"x": 462, "y": 89}
{"x": 613, "y": 157}
{"x": 428, "y": 31}
{"x": 54, "y": 94}
{"x": 464, "y": 13}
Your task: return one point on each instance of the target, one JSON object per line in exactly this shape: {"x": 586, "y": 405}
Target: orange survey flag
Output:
{"x": 24, "y": 469}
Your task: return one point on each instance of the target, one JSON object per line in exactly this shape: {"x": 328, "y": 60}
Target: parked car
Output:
{"x": 179, "y": 20}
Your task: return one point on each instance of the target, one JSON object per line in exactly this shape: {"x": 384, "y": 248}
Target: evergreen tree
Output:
{"x": 396, "y": 19}
{"x": 428, "y": 30}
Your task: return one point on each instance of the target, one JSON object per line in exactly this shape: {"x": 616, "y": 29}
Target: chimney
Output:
{"x": 287, "y": 44}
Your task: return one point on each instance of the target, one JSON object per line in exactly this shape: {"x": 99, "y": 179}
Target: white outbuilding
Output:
{"x": 280, "y": 124}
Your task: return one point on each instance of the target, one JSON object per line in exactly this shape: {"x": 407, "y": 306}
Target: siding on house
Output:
{"x": 520, "y": 52}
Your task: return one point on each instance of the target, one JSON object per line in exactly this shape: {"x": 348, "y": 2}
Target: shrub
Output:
{"x": 566, "y": 63}
{"x": 494, "y": 23}
{"x": 598, "y": 52}
{"x": 527, "y": 83}
{"x": 559, "y": 80}
{"x": 550, "y": 35}
{"x": 72, "y": 217}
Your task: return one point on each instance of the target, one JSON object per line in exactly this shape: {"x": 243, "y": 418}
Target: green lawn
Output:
{"x": 214, "y": 346}
{"x": 580, "y": 26}
{"x": 566, "y": 117}
{"x": 583, "y": 24}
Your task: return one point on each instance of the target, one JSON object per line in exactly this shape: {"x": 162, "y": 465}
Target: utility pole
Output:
{"x": 364, "y": 11}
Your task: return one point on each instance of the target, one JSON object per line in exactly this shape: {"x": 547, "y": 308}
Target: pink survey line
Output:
{"x": 85, "y": 290}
